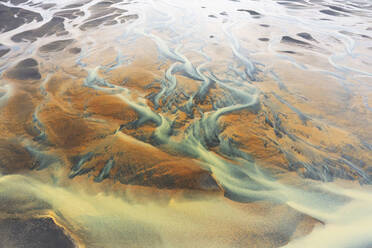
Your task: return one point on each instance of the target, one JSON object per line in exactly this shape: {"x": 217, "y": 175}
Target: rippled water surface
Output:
{"x": 224, "y": 123}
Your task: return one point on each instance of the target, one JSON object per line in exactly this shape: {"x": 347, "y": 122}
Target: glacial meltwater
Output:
{"x": 185, "y": 123}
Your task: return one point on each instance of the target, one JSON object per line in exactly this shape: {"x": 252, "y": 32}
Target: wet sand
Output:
{"x": 172, "y": 124}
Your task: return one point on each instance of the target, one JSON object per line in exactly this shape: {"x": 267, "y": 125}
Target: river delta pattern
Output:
{"x": 185, "y": 123}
